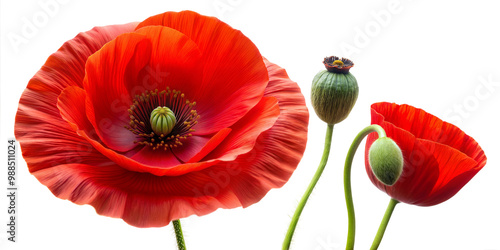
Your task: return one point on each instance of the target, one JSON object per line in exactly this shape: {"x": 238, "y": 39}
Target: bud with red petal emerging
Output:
{"x": 386, "y": 160}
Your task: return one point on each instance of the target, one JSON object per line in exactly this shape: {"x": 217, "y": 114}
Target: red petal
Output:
{"x": 277, "y": 151}
{"x": 210, "y": 145}
{"x": 233, "y": 74}
{"x": 427, "y": 126}
{"x": 128, "y": 66}
{"x": 175, "y": 63}
{"x": 108, "y": 97}
{"x": 142, "y": 200}
{"x": 46, "y": 139}
{"x": 456, "y": 169}
{"x": 66, "y": 67}
{"x": 71, "y": 104}
{"x": 154, "y": 158}
{"x": 245, "y": 132}
{"x": 37, "y": 107}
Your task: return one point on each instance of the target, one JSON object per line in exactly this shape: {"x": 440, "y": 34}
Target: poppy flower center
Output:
{"x": 162, "y": 119}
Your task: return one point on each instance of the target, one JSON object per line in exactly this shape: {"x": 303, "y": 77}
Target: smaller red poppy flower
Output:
{"x": 439, "y": 158}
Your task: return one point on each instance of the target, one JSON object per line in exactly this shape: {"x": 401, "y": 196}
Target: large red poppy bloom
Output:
{"x": 439, "y": 158}
{"x": 84, "y": 120}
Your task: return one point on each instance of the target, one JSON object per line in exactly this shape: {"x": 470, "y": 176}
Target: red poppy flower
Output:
{"x": 84, "y": 121}
{"x": 439, "y": 158}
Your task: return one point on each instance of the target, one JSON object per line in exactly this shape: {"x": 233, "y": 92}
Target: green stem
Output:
{"x": 178, "y": 235}
{"x": 347, "y": 180}
{"x": 303, "y": 201}
{"x": 383, "y": 224}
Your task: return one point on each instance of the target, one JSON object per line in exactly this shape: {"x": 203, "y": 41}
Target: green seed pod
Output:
{"x": 334, "y": 91}
{"x": 386, "y": 160}
{"x": 162, "y": 120}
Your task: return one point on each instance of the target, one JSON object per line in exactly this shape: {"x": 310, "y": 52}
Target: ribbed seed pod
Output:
{"x": 162, "y": 120}
{"x": 334, "y": 91}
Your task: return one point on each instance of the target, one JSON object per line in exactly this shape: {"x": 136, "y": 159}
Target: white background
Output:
{"x": 442, "y": 56}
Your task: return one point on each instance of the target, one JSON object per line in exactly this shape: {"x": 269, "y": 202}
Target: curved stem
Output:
{"x": 303, "y": 201}
{"x": 347, "y": 180}
{"x": 178, "y": 235}
{"x": 383, "y": 224}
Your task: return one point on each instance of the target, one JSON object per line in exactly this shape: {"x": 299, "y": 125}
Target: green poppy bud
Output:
{"x": 386, "y": 160}
{"x": 334, "y": 91}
